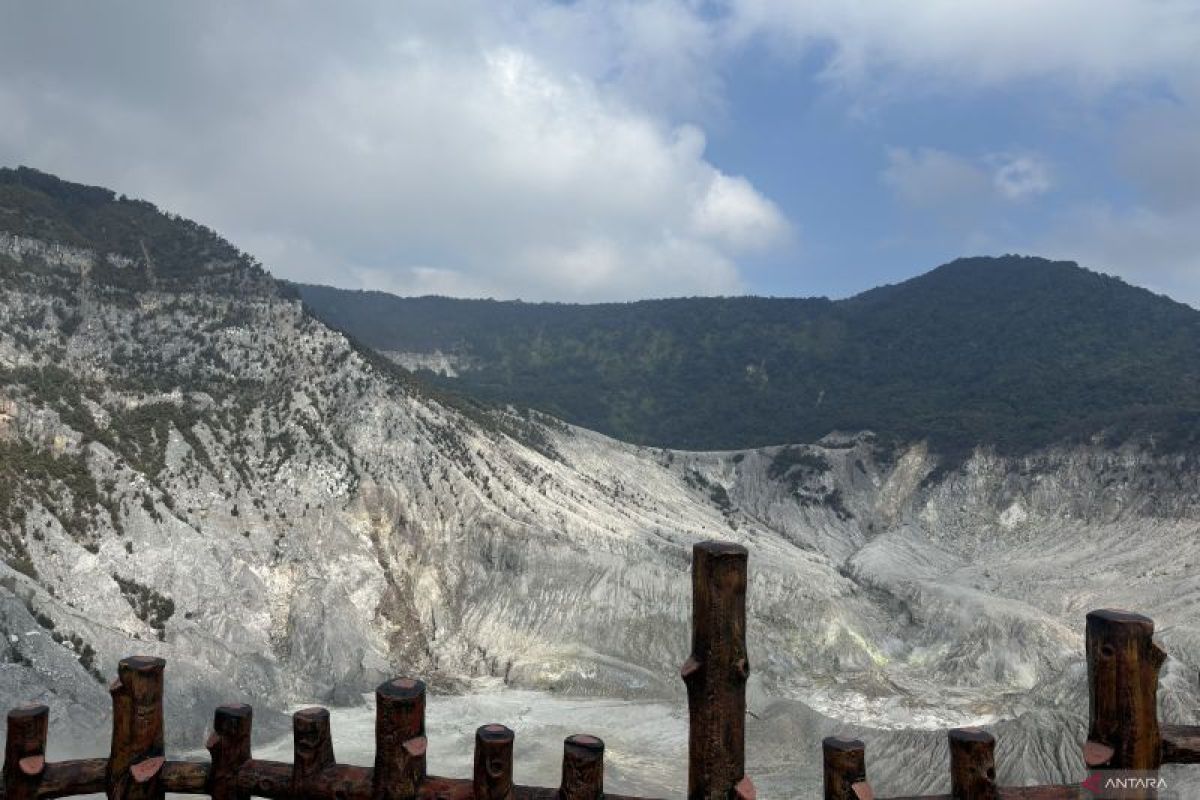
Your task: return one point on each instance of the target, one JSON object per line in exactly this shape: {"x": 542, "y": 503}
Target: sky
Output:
{"x": 620, "y": 149}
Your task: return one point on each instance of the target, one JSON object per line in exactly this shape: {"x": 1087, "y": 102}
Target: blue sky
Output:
{"x": 619, "y": 149}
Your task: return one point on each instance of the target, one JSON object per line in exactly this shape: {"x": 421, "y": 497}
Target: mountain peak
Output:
{"x": 1015, "y": 352}
{"x": 134, "y": 244}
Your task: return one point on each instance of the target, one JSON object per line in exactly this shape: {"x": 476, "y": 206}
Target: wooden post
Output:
{"x": 136, "y": 756}
{"x": 972, "y": 765}
{"x": 25, "y": 751}
{"x": 583, "y": 768}
{"x": 399, "y": 739}
{"x": 1123, "y": 663}
{"x": 312, "y": 747}
{"x": 229, "y": 747}
{"x": 845, "y": 765}
{"x": 716, "y": 672}
{"x": 493, "y": 778}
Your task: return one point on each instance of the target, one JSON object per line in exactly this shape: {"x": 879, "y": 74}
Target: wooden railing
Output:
{"x": 1125, "y": 739}
{"x": 1124, "y": 734}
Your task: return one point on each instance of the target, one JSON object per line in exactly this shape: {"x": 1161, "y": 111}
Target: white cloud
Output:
{"x": 933, "y": 179}
{"x": 1093, "y": 44}
{"x": 438, "y": 150}
{"x": 729, "y": 210}
{"x": 1019, "y": 176}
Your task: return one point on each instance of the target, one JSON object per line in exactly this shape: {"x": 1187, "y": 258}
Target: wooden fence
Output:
{"x": 1123, "y": 664}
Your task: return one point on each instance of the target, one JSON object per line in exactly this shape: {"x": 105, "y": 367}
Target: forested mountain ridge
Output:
{"x": 1016, "y": 352}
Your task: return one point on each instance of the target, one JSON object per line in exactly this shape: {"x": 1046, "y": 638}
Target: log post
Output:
{"x": 136, "y": 756}
{"x": 25, "y": 751}
{"x": 229, "y": 747}
{"x": 312, "y": 748}
{"x": 1123, "y": 663}
{"x": 399, "y": 739}
{"x": 716, "y": 672}
{"x": 583, "y": 768}
{"x": 972, "y": 765}
{"x": 493, "y": 779}
{"x": 845, "y": 764}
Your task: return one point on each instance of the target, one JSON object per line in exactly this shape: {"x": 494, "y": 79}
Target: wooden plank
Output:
{"x": 1055, "y": 792}
{"x": 186, "y": 777}
{"x": 1181, "y": 744}
{"x": 272, "y": 779}
{"x": 69, "y": 778}
{"x": 438, "y": 788}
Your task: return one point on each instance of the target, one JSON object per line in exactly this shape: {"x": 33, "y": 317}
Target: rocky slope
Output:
{"x": 195, "y": 468}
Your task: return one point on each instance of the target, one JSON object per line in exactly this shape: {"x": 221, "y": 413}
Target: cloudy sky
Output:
{"x": 617, "y": 149}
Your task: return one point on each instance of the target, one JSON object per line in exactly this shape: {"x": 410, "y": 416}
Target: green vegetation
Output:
{"x": 164, "y": 251}
{"x": 60, "y": 482}
{"x": 1013, "y": 352}
{"x": 151, "y": 607}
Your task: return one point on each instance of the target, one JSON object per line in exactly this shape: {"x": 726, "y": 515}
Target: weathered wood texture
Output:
{"x": 583, "y": 768}
{"x": 1181, "y": 744}
{"x": 136, "y": 758}
{"x": 494, "y": 763}
{"x": 972, "y": 765}
{"x": 1060, "y": 792}
{"x": 399, "y": 738}
{"x": 716, "y": 672}
{"x": 68, "y": 778}
{"x": 1123, "y": 663}
{"x": 25, "y": 751}
{"x": 1124, "y": 731}
{"x": 229, "y": 748}
{"x": 845, "y": 768}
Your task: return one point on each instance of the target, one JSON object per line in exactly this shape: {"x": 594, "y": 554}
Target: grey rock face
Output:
{"x": 220, "y": 480}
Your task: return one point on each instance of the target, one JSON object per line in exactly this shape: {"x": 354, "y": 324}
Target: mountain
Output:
{"x": 194, "y": 467}
{"x": 1017, "y": 353}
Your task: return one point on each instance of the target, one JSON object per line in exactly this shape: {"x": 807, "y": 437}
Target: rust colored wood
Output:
{"x": 265, "y": 779}
{"x": 229, "y": 747}
{"x": 1123, "y": 664}
{"x": 273, "y": 779}
{"x": 1060, "y": 792}
{"x": 399, "y": 739}
{"x": 844, "y": 762}
{"x": 313, "y": 750}
{"x": 972, "y": 765}
{"x": 1056, "y": 792}
{"x": 1181, "y": 744}
{"x": 343, "y": 782}
{"x": 493, "y": 777}
{"x": 135, "y": 763}
{"x": 25, "y": 751}
{"x": 583, "y": 768}
{"x": 438, "y": 788}
{"x": 67, "y": 778}
{"x": 185, "y": 777}
{"x": 715, "y": 673}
